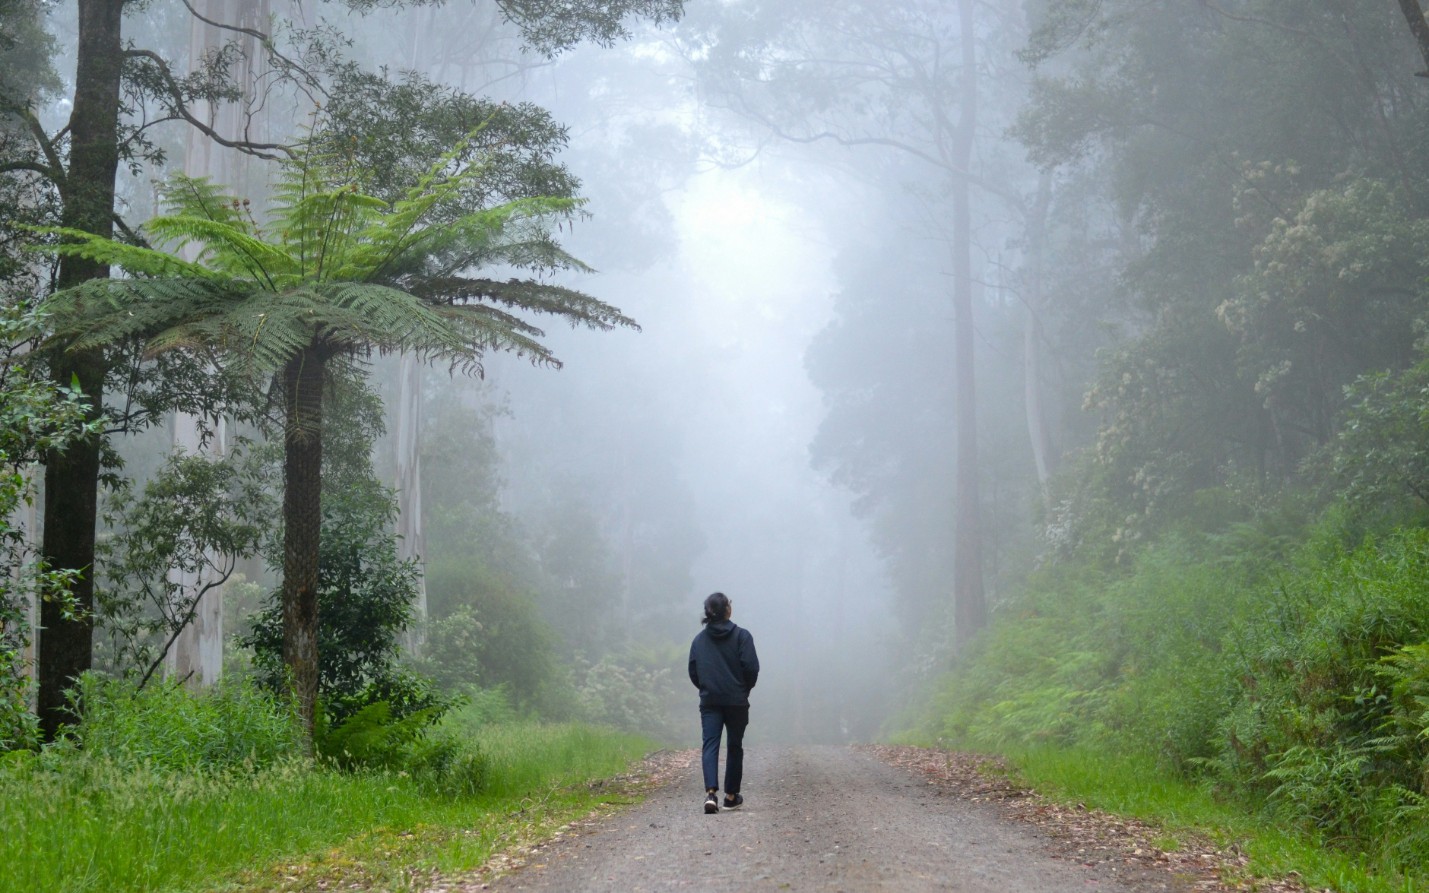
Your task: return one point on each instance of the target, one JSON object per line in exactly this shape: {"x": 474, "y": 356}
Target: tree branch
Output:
{"x": 44, "y": 170}
{"x": 262, "y": 38}
{"x": 1419, "y": 27}
{"x": 180, "y": 108}
{"x": 188, "y": 618}
{"x": 886, "y": 142}
{"x": 46, "y": 146}
{"x": 266, "y": 40}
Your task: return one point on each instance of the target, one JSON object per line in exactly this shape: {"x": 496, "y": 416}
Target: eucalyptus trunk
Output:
{"x": 411, "y": 535}
{"x": 1039, "y": 430}
{"x": 302, "y": 525}
{"x": 969, "y": 600}
{"x": 66, "y": 642}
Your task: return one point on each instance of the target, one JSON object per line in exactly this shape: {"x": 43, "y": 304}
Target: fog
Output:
{"x": 728, "y": 310}
{"x": 876, "y": 260}
{"x": 719, "y": 368}
{"x": 1040, "y": 375}
{"x": 724, "y": 249}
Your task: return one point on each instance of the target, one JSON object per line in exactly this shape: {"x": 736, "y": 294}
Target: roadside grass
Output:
{"x": 78, "y": 824}
{"x": 1135, "y": 786}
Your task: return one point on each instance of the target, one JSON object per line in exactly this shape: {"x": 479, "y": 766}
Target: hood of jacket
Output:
{"x": 720, "y": 629}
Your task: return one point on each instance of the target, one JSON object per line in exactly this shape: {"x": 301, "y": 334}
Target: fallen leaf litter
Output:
{"x": 1087, "y": 836}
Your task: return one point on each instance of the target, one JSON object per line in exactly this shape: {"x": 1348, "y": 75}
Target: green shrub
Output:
{"x": 452, "y": 650}
{"x": 365, "y": 598}
{"x": 487, "y": 706}
{"x": 84, "y": 824}
{"x": 446, "y": 765}
{"x": 374, "y": 738}
{"x": 636, "y": 691}
{"x": 167, "y": 726}
{"x": 1086, "y": 656}
{"x": 1268, "y": 660}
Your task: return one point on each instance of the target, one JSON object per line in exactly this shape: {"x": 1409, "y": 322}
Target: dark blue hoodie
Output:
{"x": 723, "y": 665}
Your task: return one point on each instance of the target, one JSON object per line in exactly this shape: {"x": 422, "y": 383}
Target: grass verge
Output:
{"x": 1134, "y": 786}
{"x": 92, "y": 825}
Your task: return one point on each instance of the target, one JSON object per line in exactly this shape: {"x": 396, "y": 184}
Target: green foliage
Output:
{"x": 370, "y": 736}
{"x": 83, "y": 823}
{"x": 1127, "y": 783}
{"x": 1276, "y": 259}
{"x": 36, "y": 415}
{"x": 420, "y": 122}
{"x": 233, "y": 726}
{"x": 1266, "y": 659}
{"x": 638, "y": 691}
{"x": 486, "y": 622}
{"x": 452, "y": 650}
{"x": 335, "y": 266}
{"x": 551, "y": 28}
{"x": 1326, "y": 723}
{"x": 365, "y": 602}
{"x": 373, "y": 738}
{"x": 527, "y": 755}
{"x": 178, "y": 540}
{"x": 1097, "y": 658}
{"x": 1379, "y": 457}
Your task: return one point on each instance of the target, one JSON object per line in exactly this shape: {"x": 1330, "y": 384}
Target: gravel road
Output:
{"x": 816, "y": 818}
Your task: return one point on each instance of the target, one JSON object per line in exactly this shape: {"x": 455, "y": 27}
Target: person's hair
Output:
{"x": 716, "y": 608}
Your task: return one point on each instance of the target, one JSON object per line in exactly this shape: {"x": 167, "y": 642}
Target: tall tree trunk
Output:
{"x": 412, "y": 537}
{"x": 196, "y": 656}
{"x": 302, "y": 524}
{"x": 1039, "y": 432}
{"x": 66, "y": 644}
{"x": 969, "y": 601}
{"x": 197, "y": 653}
{"x": 1418, "y": 27}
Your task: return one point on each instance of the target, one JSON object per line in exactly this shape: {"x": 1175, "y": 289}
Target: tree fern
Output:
{"x": 256, "y": 294}
{"x": 336, "y": 273}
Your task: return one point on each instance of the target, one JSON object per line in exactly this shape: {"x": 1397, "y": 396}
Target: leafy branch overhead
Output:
{"x": 335, "y": 266}
{"x": 337, "y": 272}
{"x": 551, "y": 26}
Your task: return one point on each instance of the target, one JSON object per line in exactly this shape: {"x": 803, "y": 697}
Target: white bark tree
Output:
{"x": 197, "y": 653}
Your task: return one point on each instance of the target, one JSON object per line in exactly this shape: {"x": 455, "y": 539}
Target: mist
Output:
{"x": 782, "y": 425}
{"x": 903, "y": 310}
{"x": 388, "y": 383}
{"x": 691, "y": 439}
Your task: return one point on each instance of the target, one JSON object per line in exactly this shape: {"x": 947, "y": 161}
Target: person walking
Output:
{"x": 724, "y": 667}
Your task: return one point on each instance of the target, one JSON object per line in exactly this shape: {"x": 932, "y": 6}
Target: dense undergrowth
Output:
{"x": 170, "y": 790}
{"x": 1285, "y": 670}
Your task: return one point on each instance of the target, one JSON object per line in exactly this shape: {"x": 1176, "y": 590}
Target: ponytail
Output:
{"x": 716, "y": 608}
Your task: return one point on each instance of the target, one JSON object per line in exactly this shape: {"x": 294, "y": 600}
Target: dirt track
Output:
{"x": 819, "y": 819}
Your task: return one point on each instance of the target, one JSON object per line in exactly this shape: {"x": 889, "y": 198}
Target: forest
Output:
{"x": 386, "y": 382}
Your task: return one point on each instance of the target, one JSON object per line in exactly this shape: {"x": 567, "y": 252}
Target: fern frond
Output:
{"x": 496, "y": 315}
{"x": 465, "y": 240}
{"x": 524, "y": 294}
{"x": 357, "y": 312}
{"x": 487, "y": 329}
{"x": 229, "y": 247}
{"x": 133, "y": 259}
{"x": 537, "y": 251}
{"x": 261, "y": 334}
{"x": 106, "y": 311}
{"x": 184, "y": 196}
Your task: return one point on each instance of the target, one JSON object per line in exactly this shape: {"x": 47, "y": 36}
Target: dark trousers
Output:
{"x": 713, "y": 720}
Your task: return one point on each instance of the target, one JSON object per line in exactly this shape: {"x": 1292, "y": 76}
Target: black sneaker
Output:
{"x": 734, "y": 802}
{"x": 711, "y": 803}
